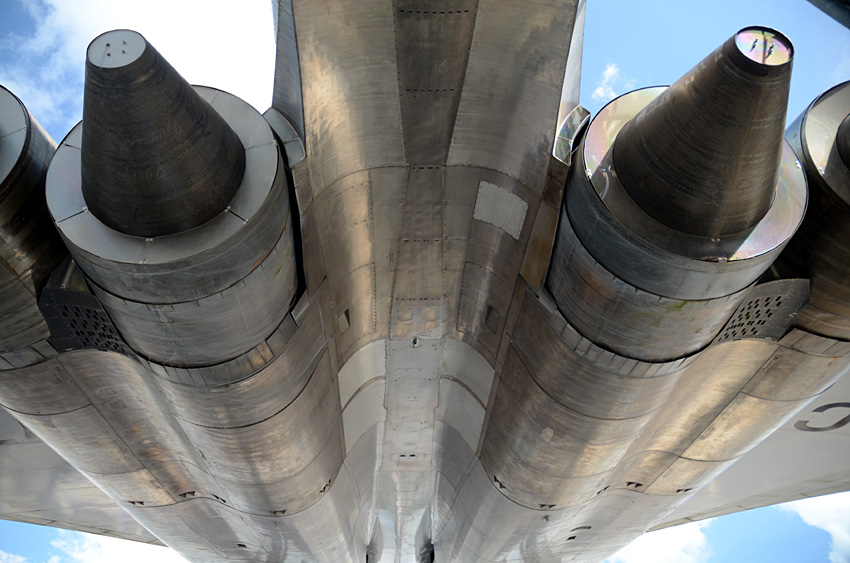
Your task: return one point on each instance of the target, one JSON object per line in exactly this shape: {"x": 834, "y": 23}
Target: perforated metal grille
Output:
{"x": 769, "y": 311}
{"x": 749, "y": 319}
{"x": 77, "y": 321}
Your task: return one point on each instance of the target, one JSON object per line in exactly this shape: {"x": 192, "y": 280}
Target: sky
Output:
{"x": 628, "y": 44}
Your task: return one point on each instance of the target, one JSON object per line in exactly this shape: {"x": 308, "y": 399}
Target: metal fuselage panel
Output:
{"x": 414, "y": 261}
{"x": 470, "y": 369}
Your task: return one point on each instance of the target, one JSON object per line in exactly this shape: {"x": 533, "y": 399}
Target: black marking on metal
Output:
{"x": 804, "y": 424}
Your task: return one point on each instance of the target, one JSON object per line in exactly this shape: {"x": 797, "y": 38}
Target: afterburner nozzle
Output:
{"x": 156, "y": 158}
{"x": 703, "y": 157}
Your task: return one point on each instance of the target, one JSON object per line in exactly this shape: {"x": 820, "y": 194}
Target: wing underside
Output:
{"x": 39, "y": 487}
{"x": 806, "y": 457}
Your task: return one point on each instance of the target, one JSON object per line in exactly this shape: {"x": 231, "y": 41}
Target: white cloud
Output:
{"x": 9, "y": 558}
{"x": 611, "y": 84}
{"x": 77, "y": 547}
{"x": 218, "y": 43}
{"x": 829, "y": 513}
{"x": 604, "y": 90}
{"x": 680, "y": 544}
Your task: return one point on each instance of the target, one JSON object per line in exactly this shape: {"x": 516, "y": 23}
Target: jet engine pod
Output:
{"x": 680, "y": 199}
{"x": 29, "y": 248}
{"x": 821, "y": 138}
{"x": 174, "y": 201}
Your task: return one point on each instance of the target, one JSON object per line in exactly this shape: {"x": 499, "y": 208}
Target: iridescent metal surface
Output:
{"x": 819, "y": 251}
{"x": 717, "y": 127}
{"x": 764, "y": 46}
{"x": 445, "y": 354}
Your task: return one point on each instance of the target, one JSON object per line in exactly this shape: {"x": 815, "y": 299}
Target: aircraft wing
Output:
{"x": 806, "y": 457}
{"x": 39, "y": 487}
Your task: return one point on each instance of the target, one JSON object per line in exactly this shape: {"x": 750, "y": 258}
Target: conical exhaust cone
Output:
{"x": 702, "y": 158}
{"x": 156, "y": 158}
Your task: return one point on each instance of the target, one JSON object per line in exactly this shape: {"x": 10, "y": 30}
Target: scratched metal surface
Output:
{"x": 425, "y": 392}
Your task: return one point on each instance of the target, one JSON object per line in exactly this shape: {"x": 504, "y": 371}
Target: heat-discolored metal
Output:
{"x": 623, "y": 272}
{"x": 182, "y": 298}
{"x": 702, "y": 158}
{"x": 819, "y": 251}
{"x": 29, "y": 249}
{"x": 425, "y": 396}
{"x": 157, "y": 159}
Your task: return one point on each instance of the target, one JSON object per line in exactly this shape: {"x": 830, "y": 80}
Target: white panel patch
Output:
{"x": 367, "y": 363}
{"x": 459, "y": 409}
{"x": 500, "y": 208}
{"x": 462, "y": 362}
{"x": 365, "y": 410}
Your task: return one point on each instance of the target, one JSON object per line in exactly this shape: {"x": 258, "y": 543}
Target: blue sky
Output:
{"x": 654, "y": 42}
{"x": 628, "y": 44}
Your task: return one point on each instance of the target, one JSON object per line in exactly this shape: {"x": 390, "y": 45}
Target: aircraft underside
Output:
{"x": 423, "y": 308}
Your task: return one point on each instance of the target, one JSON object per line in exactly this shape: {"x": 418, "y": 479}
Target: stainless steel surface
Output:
{"x": 623, "y": 318}
{"x": 228, "y": 465}
{"x": 214, "y": 328}
{"x": 156, "y": 159}
{"x": 819, "y": 251}
{"x": 703, "y": 157}
{"x": 287, "y": 71}
{"x": 293, "y": 144}
{"x": 506, "y": 119}
{"x": 569, "y": 134}
{"x": 842, "y": 141}
{"x": 816, "y": 469}
{"x": 362, "y": 80}
{"x": 425, "y": 392}
{"x": 182, "y": 299}
{"x": 636, "y": 284}
{"x": 571, "y": 115}
{"x": 652, "y": 256}
{"x": 29, "y": 249}
{"x": 187, "y": 265}
{"x": 39, "y": 486}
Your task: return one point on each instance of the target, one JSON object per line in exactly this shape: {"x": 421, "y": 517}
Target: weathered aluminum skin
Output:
{"x": 186, "y": 298}
{"x": 29, "y": 249}
{"x": 177, "y": 165}
{"x": 424, "y": 396}
{"x": 820, "y": 251}
{"x": 637, "y": 286}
